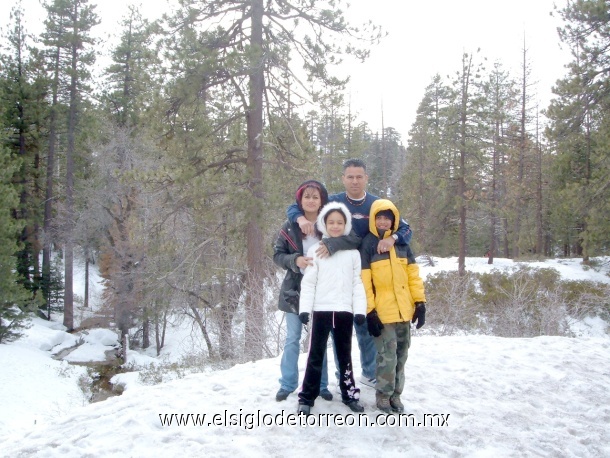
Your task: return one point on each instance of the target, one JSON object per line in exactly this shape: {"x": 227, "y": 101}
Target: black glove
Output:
{"x": 304, "y": 317}
{"x": 419, "y": 315}
{"x": 374, "y": 324}
{"x": 359, "y": 319}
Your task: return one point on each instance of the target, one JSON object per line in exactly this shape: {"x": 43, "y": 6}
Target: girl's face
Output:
{"x": 335, "y": 224}
{"x": 311, "y": 200}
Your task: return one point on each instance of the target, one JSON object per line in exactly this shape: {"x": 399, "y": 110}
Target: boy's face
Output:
{"x": 335, "y": 224}
{"x": 383, "y": 223}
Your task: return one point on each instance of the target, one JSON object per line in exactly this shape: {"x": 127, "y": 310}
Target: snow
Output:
{"x": 476, "y": 396}
{"x": 569, "y": 269}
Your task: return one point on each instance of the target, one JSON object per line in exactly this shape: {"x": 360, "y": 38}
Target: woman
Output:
{"x": 289, "y": 249}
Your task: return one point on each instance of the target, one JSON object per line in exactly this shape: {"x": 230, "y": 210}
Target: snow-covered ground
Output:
{"x": 465, "y": 396}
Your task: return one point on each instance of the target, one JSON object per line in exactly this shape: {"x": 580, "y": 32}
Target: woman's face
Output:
{"x": 311, "y": 200}
{"x": 335, "y": 224}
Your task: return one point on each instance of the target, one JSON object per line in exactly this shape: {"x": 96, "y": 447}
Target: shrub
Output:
{"x": 453, "y": 307}
{"x": 525, "y": 302}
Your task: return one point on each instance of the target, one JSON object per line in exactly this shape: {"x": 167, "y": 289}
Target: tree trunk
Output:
{"x": 204, "y": 331}
{"x": 520, "y": 162}
{"x": 494, "y": 203}
{"x": 461, "y": 188}
{"x": 160, "y": 329}
{"x": 255, "y": 325}
{"x": 86, "y": 298}
{"x": 48, "y": 203}
{"x": 69, "y": 248}
{"x": 146, "y": 330}
{"x": 539, "y": 206}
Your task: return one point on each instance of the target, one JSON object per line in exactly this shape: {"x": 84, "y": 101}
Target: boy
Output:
{"x": 395, "y": 297}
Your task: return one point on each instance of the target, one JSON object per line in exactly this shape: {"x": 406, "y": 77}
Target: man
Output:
{"x": 358, "y": 202}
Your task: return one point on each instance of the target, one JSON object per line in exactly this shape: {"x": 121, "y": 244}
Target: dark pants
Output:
{"x": 341, "y": 324}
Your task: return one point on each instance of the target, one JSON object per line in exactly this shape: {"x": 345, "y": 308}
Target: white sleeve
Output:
{"x": 359, "y": 295}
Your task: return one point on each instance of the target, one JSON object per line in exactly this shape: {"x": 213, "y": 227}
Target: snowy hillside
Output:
{"x": 467, "y": 396}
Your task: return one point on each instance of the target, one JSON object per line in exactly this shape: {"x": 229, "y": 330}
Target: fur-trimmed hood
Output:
{"x": 321, "y": 224}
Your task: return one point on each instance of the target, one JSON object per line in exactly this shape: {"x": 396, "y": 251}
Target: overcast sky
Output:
{"x": 425, "y": 38}
{"x": 429, "y": 37}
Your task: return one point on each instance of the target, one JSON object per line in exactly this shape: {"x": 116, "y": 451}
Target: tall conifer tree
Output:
{"x": 69, "y": 25}
{"x": 246, "y": 58}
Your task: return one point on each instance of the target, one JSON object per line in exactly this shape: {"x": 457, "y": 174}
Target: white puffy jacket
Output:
{"x": 333, "y": 284}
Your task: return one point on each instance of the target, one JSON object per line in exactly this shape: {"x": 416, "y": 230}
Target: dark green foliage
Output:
{"x": 14, "y": 298}
{"x": 22, "y": 97}
{"x": 55, "y": 299}
{"x": 579, "y": 129}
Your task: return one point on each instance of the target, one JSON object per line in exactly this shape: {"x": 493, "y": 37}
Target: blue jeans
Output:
{"x": 289, "y": 366}
{"x": 368, "y": 351}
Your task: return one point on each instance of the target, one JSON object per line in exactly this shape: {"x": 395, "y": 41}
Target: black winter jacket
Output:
{"x": 287, "y": 248}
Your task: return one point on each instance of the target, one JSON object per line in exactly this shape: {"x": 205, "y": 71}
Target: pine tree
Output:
{"x": 69, "y": 24}
{"x": 579, "y": 129}
{"x": 23, "y": 100}
{"x": 53, "y": 39}
{"x": 114, "y": 193}
{"x": 246, "y": 60}
{"x": 426, "y": 188}
{"x": 14, "y": 298}
{"x": 523, "y": 162}
{"x": 501, "y": 96}
{"x": 467, "y": 147}
{"x": 130, "y": 77}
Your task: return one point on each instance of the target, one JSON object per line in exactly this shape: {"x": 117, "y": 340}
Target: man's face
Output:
{"x": 355, "y": 180}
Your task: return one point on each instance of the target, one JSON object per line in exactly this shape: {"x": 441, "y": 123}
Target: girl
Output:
{"x": 333, "y": 295}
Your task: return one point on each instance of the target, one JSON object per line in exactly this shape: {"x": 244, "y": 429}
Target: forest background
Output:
{"x": 172, "y": 167}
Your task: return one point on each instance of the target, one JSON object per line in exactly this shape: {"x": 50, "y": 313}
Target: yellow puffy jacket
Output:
{"x": 392, "y": 283}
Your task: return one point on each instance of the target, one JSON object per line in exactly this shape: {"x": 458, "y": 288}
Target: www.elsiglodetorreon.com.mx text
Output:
{"x": 259, "y": 419}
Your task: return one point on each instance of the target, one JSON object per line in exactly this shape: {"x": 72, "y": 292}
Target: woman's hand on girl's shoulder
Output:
{"x": 322, "y": 251}
{"x": 304, "y": 261}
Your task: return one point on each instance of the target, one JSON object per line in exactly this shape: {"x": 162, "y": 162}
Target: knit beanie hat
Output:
{"x": 311, "y": 184}
{"x": 388, "y": 214}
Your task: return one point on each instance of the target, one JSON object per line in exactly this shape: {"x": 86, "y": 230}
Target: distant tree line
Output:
{"x": 489, "y": 172}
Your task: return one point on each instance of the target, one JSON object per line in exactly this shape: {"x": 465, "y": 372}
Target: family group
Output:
{"x": 348, "y": 266}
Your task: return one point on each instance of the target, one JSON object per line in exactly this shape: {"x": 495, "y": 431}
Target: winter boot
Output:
{"x": 396, "y": 403}
{"x": 282, "y": 395}
{"x": 383, "y": 402}
{"x": 326, "y": 395}
{"x": 304, "y": 409}
{"x": 354, "y": 405}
